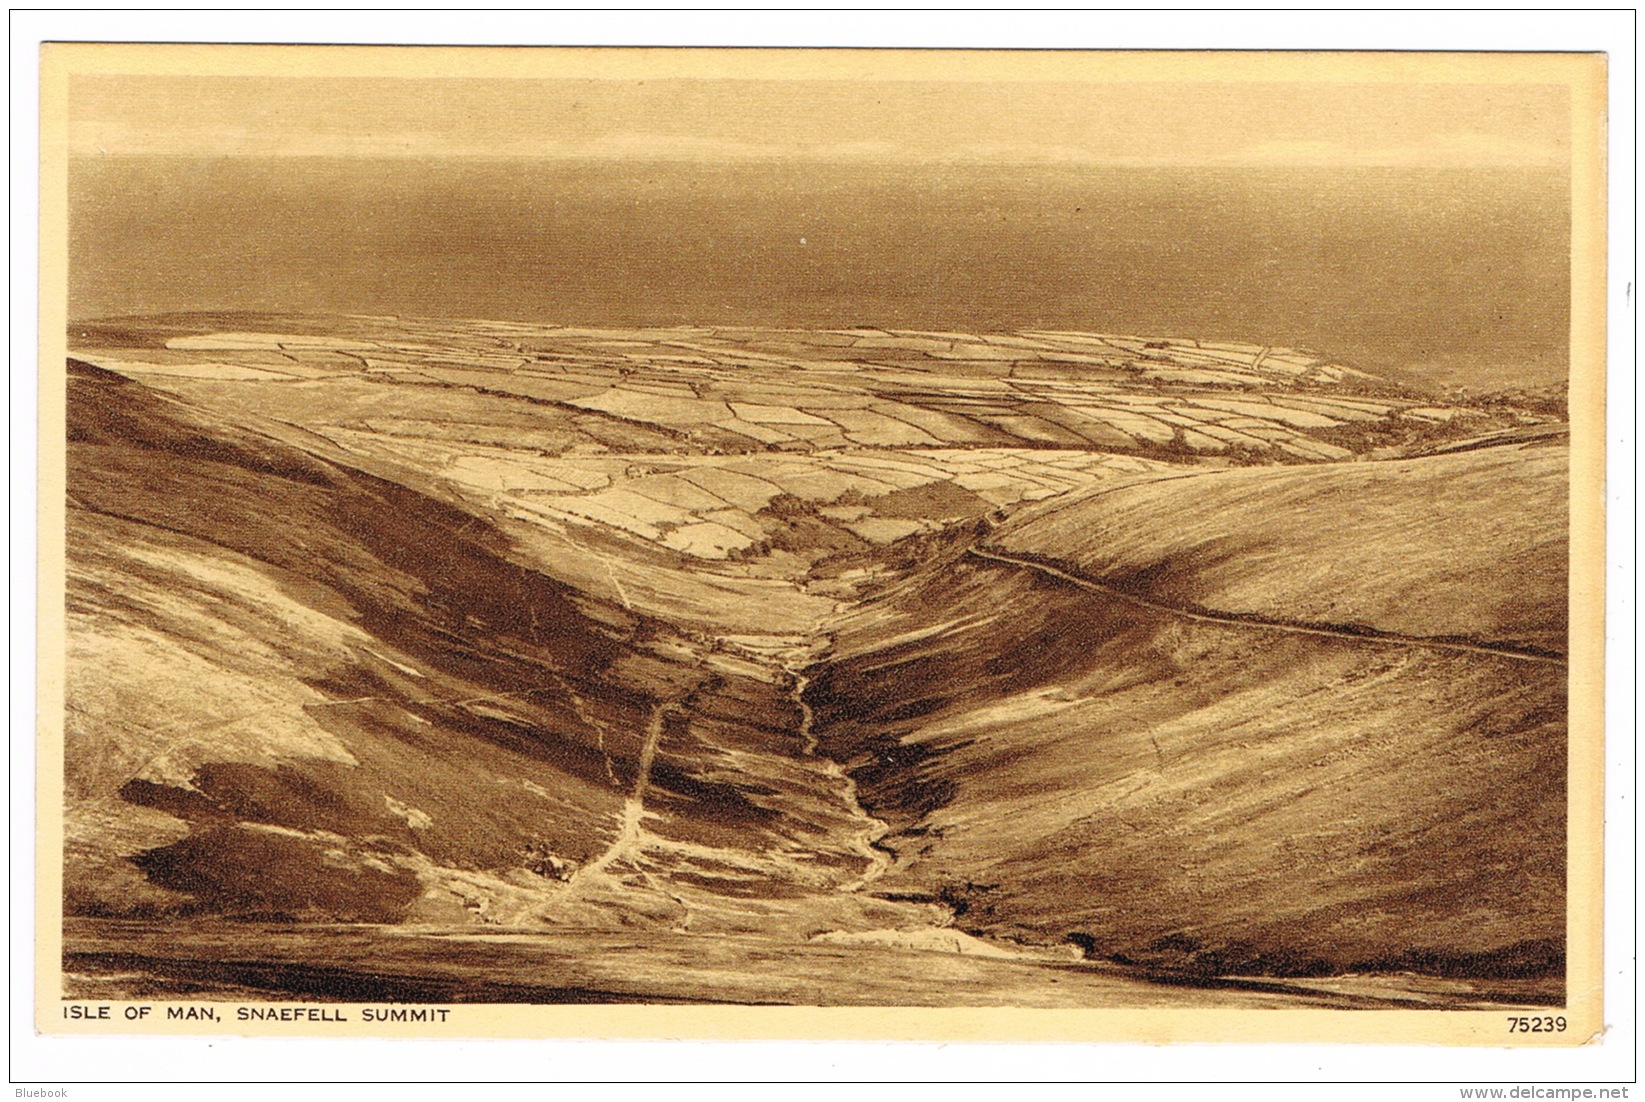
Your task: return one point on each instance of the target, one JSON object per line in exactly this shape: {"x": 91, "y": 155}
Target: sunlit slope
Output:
{"x": 1470, "y": 545}
{"x": 297, "y": 689}
{"x": 1227, "y": 754}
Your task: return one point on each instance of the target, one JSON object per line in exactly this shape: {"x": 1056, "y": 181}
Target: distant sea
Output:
{"x": 1433, "y": 275}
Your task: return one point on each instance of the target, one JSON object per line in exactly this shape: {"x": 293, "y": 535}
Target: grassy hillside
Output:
{"x": 1203, "y": 794}
{"x": 300, "y": 690}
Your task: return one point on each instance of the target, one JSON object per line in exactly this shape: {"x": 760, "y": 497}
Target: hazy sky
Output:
{"x": 1251, "y": 124}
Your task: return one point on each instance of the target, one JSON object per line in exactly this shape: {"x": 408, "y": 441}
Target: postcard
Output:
{"x": 874, "y": 544}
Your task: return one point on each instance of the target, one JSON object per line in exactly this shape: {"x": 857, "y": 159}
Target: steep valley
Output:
{"x": 483, "y": 661}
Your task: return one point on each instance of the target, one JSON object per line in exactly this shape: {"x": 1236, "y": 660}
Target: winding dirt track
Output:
{"x": 1368, "y": 636}
{"x": 628, "y": 834}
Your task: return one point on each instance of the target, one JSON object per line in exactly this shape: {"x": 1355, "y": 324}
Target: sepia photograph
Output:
{"x": 535, "y": 537}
